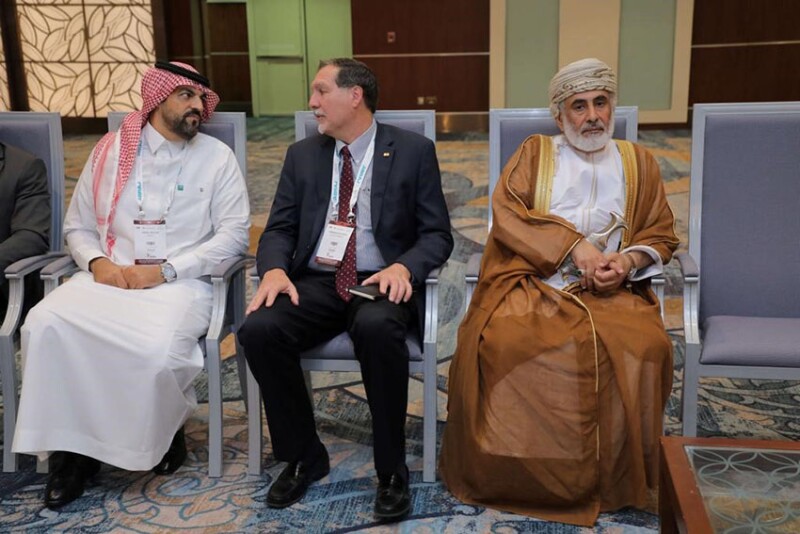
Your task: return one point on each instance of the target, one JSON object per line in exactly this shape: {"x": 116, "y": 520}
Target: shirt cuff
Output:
{"x": 655, "y": 268}
{"x": 84, "y": 256}
{"x": 186, "y": 266}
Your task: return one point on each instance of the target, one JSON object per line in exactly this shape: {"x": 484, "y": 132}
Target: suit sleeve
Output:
{"x": 30, "y": 219}
{"x": 434, "y": 238}
{"x": 278, "y": 243}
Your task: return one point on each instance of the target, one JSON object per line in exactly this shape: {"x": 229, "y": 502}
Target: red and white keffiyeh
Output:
{"x": 157, "y": 85}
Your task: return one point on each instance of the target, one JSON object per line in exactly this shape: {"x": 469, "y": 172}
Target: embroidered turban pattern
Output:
{"x": 588, "y": 74}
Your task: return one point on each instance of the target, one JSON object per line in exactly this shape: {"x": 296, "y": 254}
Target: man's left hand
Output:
{"x": 616, "y": 272}
{"x": 396, "y": 278}
{"x": 142, "y": 276}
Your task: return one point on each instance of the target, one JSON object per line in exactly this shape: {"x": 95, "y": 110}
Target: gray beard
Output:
{"x": 589, "y": 143}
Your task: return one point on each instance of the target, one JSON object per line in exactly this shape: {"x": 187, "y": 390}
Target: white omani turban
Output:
{"x": 588, "y": 74}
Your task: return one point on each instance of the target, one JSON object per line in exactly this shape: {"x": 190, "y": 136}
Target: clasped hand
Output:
{"x": 602, "y": 273}
{"x": 109, "y": 273}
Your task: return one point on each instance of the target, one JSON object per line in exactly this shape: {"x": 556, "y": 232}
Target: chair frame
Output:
{"x": 691, "y": 266}
{"x": 20, "y": 270}
{"x": 426, "y": 366}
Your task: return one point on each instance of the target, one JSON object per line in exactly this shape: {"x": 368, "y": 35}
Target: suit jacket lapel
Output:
{"x": 381, "y": 165}
{"x": 322, "y": 182}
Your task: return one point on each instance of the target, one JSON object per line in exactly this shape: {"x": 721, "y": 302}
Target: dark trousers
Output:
{"x": 273, "y": 339}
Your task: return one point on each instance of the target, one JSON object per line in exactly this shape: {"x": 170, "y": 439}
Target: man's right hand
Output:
{"x": 274, "y": 283}
{"x": 588, "y": 258}
{"x": 107, "y": 272}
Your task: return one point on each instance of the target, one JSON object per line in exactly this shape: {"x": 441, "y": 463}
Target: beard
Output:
{"x": 183, "y": 127}
{"x": 587, "y": 141}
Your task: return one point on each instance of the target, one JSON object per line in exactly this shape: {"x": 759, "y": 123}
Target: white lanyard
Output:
{"x": 140, "y": 183}
{"x": 357, "y": 182}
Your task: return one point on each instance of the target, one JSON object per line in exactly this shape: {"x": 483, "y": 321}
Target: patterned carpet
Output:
{"x": 120, "y": 501}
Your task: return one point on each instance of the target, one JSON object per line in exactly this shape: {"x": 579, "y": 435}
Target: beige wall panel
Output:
{"x": 681, "y": 66}
{"x": 589, "y": 28}
{"x": 497, "y": 54}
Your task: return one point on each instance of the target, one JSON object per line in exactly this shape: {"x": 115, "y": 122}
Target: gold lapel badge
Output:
{"x": 385, "y": 154}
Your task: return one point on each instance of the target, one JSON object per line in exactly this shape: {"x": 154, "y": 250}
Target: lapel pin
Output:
{"x": 385, "y": 154}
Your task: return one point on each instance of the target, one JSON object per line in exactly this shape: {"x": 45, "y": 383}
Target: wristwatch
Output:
{"x": 168, "y": 272}
{"x": 633, "y": 269}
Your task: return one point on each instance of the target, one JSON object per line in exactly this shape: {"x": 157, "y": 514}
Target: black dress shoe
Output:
{"x": 174, "y": 457}
{"x": 68, "y": 476}
{"x": 393, "y": 498}
{"x": 294, "y": 480}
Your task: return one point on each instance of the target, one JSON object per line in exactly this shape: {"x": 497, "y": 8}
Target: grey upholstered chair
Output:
{"x": 338, "y": 355}
{"x": 508, "y": 128}
{"x": 40, "y": 134}
{"x": 741, "y": 291}
{"x": 228, "y": 280}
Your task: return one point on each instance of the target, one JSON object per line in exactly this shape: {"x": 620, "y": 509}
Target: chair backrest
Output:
{"x": 743, "y": 215}
{"x": 230, "y": 127}
{"x": 508, "y": 128}
{"x": 422, "y": 122}
{"x": 40, "y": 134}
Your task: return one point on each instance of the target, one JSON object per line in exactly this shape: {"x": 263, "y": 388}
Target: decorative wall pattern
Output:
{"x": 5, "y": 105}
{"x": 84, "y": 58}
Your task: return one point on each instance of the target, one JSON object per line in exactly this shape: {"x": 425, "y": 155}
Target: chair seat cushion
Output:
{"x": 341, "y": 348}
{"x": 759, "y": 341}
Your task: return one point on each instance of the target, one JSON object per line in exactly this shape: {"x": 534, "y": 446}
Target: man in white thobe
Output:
{"x": 110, "y": 356}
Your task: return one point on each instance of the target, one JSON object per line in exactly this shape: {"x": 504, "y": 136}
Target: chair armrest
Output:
{"x": 223, "y": 272}
{"x": 227, "y": 312}
{"x": 689, "y": 268}
{"x": 252, "y": 276}
{"x": 433, "y": 277}
{"x": 52, "y": 273}
{"x": 431, "y": 325}
{"x": 58, "y": 268}
{"x": 691, "y": 297}
{"x": 22, "y": 268}
{"x": 473, "y": 269}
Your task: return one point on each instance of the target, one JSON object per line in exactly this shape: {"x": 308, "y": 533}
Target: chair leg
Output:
{"x": 254, "y": 425}
{"x": 214, "y": 409}
{"x": 8, "y": 374}
{"x": 691, "y": 383}
{"x": 309, "y": 386}
{"x": 429, "y": 413}
{"x": 241, "y": 368}
{"x": 42, "y": 466}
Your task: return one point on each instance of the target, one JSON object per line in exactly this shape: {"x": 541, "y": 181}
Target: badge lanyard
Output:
{"x": 359, "y": 179}
{"x": 140, "y": 183}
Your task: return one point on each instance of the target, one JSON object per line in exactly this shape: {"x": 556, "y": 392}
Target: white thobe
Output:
{"x": 108, "y": 372}
{"x": 587, "y": 189}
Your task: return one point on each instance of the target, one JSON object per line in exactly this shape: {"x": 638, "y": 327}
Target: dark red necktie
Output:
{"x": 346, "y": 272}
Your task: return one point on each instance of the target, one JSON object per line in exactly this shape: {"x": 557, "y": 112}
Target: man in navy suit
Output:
{"x": 361, "y": 203}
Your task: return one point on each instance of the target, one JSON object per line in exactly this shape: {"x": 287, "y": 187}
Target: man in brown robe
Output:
{"x": 563, "y": 367}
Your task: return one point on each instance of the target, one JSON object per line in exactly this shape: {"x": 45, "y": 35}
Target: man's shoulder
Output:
{"x": 17, "y": 154}
{"x": 401, "y": 135}
{"x": 640, "y": 151}
{"x": 209, "y": 144}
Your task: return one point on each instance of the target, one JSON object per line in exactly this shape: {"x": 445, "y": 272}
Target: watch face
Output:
{"x": 168, "y": 272}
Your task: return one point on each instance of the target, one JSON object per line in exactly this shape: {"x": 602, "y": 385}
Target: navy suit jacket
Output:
{"x": 410, "y": 221}
{"x": 24, "y": 215}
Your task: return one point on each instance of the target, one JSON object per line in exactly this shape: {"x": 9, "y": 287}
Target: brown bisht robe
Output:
{"x": 556, "y": 397}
